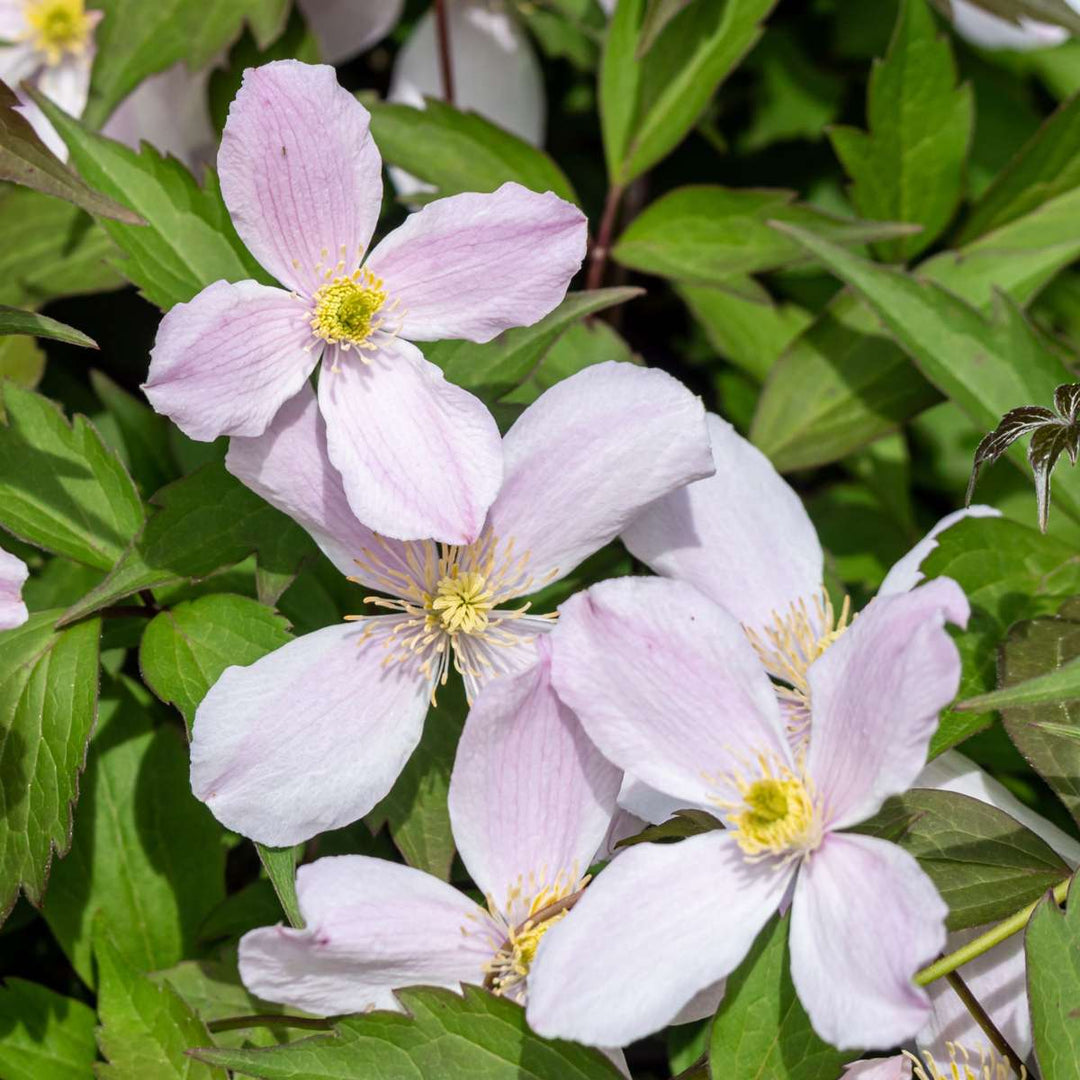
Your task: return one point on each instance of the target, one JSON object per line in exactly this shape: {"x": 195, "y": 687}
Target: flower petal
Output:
{"x": 988, "y": 31}
{"x": 905, "y": 573}
{"x": 420, "y": 457}
{"x": 288, "y": 466}
{"x": 13, "y": 575}
{"x": 741, "y": 536}
{"x": 344, "y": 28}
{"x": 13, "y": 22}
{"x": 864, "y": 919}
{"x": 588, "y": 454}
{"x": 68, "y": 83}
{"x": 224, "y": 363}
{"x": 300, "y": 173}
{"x": 896, "y": 1067}
{"x": 875, "y": 698}
{"x": 371, "y": 926}
{"x": 530, "y": 796}
{"x": 661, "y": 923}
{"x": 473, "y": 265}
{"x": 665, "y": 683}
{"x": 308, "y": 738}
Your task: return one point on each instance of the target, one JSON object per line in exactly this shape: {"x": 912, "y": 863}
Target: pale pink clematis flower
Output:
{"x": 310, "y": 737}
{"x": 530, "y": 802}
{"x": 13, "y": 575}
{"x": 989, "y": 31}
{"x": 49, "y": 43}
{"x": 301, "y": 176}
{"x": 344, "y": 28}
{"x": 669, "y": 688}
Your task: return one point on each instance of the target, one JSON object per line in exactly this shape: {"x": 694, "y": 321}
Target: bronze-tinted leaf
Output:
{"x": 1047, "y": 445}
{"x": 1013, "y": 426}
{"x": 1067, "y": 401}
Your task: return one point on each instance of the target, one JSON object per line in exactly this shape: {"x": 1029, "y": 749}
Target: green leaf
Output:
{"x": 910, "y": 166}
{"x": 280, "y": 865}
{"x": 985, "y": 864}
{"x": 476, "y": 1035}
{"x": 707, "y": 234}
{"x": 1058, "y": 686}
{"x": 682, "y": 824}
{"x": 26, "y": 160}
{"x": 136, "y": 39}
{"x": 1008, "y": 572}
{"x": 188, "y": 240}
{"x": 44, "y": 1035}
{"x": 207, "y": 521}
{"x": 61, "y": 488}
{"x": 1052, "y": 949}
{"x": 21, "y": 361}
{"x": 1045, "y": 730}
{"x": 146, "y": 858}
{"x": 184, "y": 650}
{"x": 494, "y": 369}
{"x": 761, "y": 1031}
{"x": 461, "y": 151}
{"x": 48, "y": 705}
{"x": 15, "y": 321}
{"x": 146, "y": 1028}
{"x": 649, "y": 105}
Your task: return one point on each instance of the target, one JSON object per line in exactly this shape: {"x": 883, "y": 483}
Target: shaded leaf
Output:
{"x": 683, "y": 824}
{"x": 1059, "y": 685}
{"x": 44, "y": 1035}
{"x": 1046, "y": 446}
{"x": 280, "y": 864}
{"x": 16, "y": 321}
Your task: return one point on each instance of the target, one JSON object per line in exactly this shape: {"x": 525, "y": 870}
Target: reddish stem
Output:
{"x": 442, "y": 26}
{"x": 598, "y": 256}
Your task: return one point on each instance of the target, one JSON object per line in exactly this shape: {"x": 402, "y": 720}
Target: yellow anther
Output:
{"x": 346, "y": 309}
{"x": 963, "y": 1066}
{"x": 462, "y": 601}
{"x": 58, "y": 27}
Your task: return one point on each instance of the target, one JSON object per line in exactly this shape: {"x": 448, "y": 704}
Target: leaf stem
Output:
{"x": 982, "y": 1018}
{"x": 235, "y": 1023}
{"x": 601, "y": 248}
{"x": 984, "y": 942}
{"x": 446, "y": 66}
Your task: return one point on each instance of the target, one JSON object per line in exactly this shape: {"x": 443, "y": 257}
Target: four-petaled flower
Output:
{"x": 301, "y": 177}
{"x": 310, "y": 737}
{"x": 13, "y": 574}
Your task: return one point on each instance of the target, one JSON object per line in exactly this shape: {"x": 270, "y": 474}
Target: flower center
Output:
{"x": 461, "y": 602}
{"x": 346, "y": 309}
{"x": 963, "y": 1066}
{"x": 776, "y": 813}
{"x": 57, "y": 27}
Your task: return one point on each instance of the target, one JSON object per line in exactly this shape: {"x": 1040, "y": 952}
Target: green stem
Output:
{"x": 985, "y": 942}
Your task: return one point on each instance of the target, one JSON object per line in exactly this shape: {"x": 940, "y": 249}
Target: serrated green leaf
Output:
{"x": 188, "y": 240}
{"x": 136, "y": 39}
{"x": 985, "y": 864}
{"x": 44, "y": 1035}
{"x": 16, "y": 321}
{"x": 461, "y": 151}
{"x": 476, "y": 1035}
{"x": 184, "y": 650}
{"x": 494, "y": 369}
{"x": 48, "y": 706}
{"x": 206, "y": 521}
{"x": 1052, "y": 949}
{"x": 146, "y": 1029}
{"x": 1047, "y": 733}
{"x": 707, "y": 234}
{"x": 910, "y": 166}
{"x": 61, "y": 488}
{"x": 761, "y": 1031}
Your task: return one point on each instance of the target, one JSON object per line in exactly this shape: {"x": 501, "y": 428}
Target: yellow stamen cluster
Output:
{"x": 776, "y": 814}
{"x": 58, "y": 27}
{"x": 346, "y": 309}
{"x": 963, "y": 1066}
{"x": 462, "y": 601}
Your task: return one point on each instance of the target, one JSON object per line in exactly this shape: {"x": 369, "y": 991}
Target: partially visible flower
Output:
{"x": 530, "y": 801}
{"x": 989, "y": 31}
{"x": 13, "y": 574}
{"x": 313, "y": 735}
{"x": 301, "y": 177}
{"x": 50, "y": 44}
{"x": 667, "y": 685}
{"x": 344, "y": 28}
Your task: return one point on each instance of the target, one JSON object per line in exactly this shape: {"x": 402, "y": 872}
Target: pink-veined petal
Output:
{"x": 531, "y": 798}
{"x": 864, "y": 919}
{"x": 660, "y": 924}
{"x": 300, "y": 173}
{"x": 344, "y": 28}
{"x": 67, "y": 84}
{"x": 419, "y": 457}
{"x": 13, "y": 575}
{"x": 741, "y": 536}
{"x": 472, "y": 265}
{"x": 224, "y": 363}
{"x": 371, "y": 927}
{"x": 875, "y": 698}
{"x": 905, "y": 573}
{"x": 289, "y": 467}
{"x": 666, "y": 685}
{"x": 308, "y": 738}
{"x": 588, "y": 454}
{"x": 515, "y": 649}
{"x": 896, "y": 1067}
